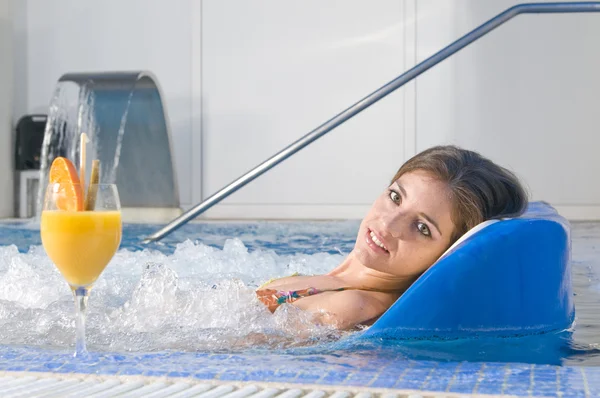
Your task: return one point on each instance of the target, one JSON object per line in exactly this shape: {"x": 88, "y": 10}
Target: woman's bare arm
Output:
{"x": 342, "y": 310}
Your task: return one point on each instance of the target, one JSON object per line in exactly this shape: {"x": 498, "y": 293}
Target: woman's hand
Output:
{"x": 269, "y": 298}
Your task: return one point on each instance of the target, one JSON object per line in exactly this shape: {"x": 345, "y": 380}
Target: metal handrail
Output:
{"x": 527, "y": 8}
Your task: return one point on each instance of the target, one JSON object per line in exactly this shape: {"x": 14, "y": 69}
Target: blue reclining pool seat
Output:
{"x": 503, "y": 278}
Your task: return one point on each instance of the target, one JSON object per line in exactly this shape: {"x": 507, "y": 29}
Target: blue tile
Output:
{"x": 116, "y": 357}
{"x": 425, "y": 365}
{"x": 463, "y": 378}
{"x": 396, "y": 370}
{"x": 384, "y": 371}
{"x": 472, "y": 367}
{"x": 567, "y": 391}
{"x": 545, "y": 375}
{"x": 9, "y": 355}
{"x": 569, "y": 372}
{"x": 107, "y": 370}
{"x": 409, "y": 384}
{"x": 357, "y": 383}
{"x": 230, "y": 375}
{"x": 518, "y": 387}
{"x": 573, "y": 381}
{"x": 458, "y": 386}
{"x": 462, "y": 389}
{"x": 546, "y": 385}
{"x": 516, "y": 372}
{"x": 384, "y": 382}
{"x": 521, "y": 380}
{"x": 571, "y": 376}
{"x": 363, "y": 375}
{"x": 66, "y": 369}
{"x": 417, "y": 374}
{"x": 205, "y": 375}
{"x": 574, "y": 394}
{"x": 435, "y": 379}
{"x": 220, "y": 357}
{"x": 368, "y": 369}
{"x": 545, "y": 392}
{"x": 516, "y": 390}
{"x": 496, "y": 371}
{"x": 491, "y": 380}
{"x": 17, "y": 368}
{"x": 262, "y": 375}
{"x": 201, "y": 354}
{"x": 342, "y": 372}
{"x": 448, "y": 365}
{"x": 290, "y": 379}
{"x": 592, "y": 371}
{"x": 73, "y": 368}
{"x": 154, "y": 373}
{"x": 593, "y": 380}
{"x": 285, "y": 372}
{"x": 125, "y": 363}
{"x": 443, "y": 374}
{"x": 435, "y": 385}
{"x": 179, "y": 374}
{"x": 130, "y": 371}
{"x": 53, "y": 365}
{"x": 489, "y": 389}
{"x": 37, "y": 368}
{"x": 334, "y": 378}
{"x": 308, "y": 378}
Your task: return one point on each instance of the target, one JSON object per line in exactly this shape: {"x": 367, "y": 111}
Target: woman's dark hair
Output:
{"x": 480, "y": 189}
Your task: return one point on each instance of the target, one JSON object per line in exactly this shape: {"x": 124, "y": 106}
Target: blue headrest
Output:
{"x": 503, "y": 278}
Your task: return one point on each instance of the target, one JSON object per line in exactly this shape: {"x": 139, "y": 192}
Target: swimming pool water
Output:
{"x": 515, "y": 365}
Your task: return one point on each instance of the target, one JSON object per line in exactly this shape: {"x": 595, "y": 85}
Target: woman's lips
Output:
{"x": 372, "y": 244}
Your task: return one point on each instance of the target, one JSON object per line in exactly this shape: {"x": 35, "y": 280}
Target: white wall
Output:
{"x": 112, "y": 35}
{"x": 527, "y": 95}
{"x": 6, "y": 153}
{"x": 243, "y": 81}
{"x": 272, "y": 72}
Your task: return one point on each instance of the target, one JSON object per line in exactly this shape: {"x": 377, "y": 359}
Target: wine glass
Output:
{"x": 81, "y": 242}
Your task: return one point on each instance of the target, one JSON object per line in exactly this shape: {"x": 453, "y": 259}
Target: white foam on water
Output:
{"x": 200, "y": 297}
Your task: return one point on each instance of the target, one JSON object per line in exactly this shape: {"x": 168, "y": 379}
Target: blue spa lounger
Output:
{"x": 503, "y": 278}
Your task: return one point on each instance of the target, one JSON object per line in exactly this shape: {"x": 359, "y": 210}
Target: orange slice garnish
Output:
{"x": 68, "y": 193}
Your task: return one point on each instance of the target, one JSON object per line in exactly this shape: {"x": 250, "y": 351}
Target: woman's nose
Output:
{"x": 394, "y": 223}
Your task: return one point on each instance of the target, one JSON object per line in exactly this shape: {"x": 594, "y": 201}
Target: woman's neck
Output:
{"x": 353, "y": 273}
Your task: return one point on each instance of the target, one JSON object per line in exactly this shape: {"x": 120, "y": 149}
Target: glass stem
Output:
{"x": 81, "y": 295}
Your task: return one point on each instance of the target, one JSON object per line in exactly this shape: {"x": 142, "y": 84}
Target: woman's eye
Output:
{"x": 395, "y": 196}
{"x": 423, "y": 229}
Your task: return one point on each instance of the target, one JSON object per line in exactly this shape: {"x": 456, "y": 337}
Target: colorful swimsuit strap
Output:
{"x": 273, "y": 298}
{"x": 290, "y": 296}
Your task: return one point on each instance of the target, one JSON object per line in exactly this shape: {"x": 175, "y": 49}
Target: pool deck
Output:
{"x": 30, "y": 384}
{"x": 310, "y": 373}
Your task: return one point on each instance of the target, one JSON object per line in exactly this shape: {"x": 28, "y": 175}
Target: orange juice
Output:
{"x": 81, "y": 243}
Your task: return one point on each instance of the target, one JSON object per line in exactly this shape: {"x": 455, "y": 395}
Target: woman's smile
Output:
{"x": 375, "y": 242}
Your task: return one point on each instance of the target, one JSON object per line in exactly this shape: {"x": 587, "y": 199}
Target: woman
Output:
{"x": 434, "y": 198}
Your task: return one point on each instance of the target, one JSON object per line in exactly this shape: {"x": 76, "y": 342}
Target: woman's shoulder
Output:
{"x": 345, "y": 309}
{"x": 273, "y": 282}
{"x": 298, "y": 281}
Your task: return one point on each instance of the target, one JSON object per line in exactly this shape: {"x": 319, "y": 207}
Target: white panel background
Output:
{"x": 6, "y": 86}
{"x": 243, "y": 80}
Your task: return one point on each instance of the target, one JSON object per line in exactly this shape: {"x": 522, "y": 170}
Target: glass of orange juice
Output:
{"x": 80, "y": 240}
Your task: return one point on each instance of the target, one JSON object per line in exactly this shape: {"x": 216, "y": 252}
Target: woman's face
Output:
{"x": 408, "y": 227}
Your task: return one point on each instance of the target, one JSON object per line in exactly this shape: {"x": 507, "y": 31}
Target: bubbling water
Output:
{"x": 198, "y": 298}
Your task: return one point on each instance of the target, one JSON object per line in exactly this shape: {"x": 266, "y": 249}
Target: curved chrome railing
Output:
{"x": 528, "y": 8}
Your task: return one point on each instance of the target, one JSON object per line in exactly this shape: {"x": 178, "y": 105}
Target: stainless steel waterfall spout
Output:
{"x": 528, "y": 8}
{"x": 130, "y": 117}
